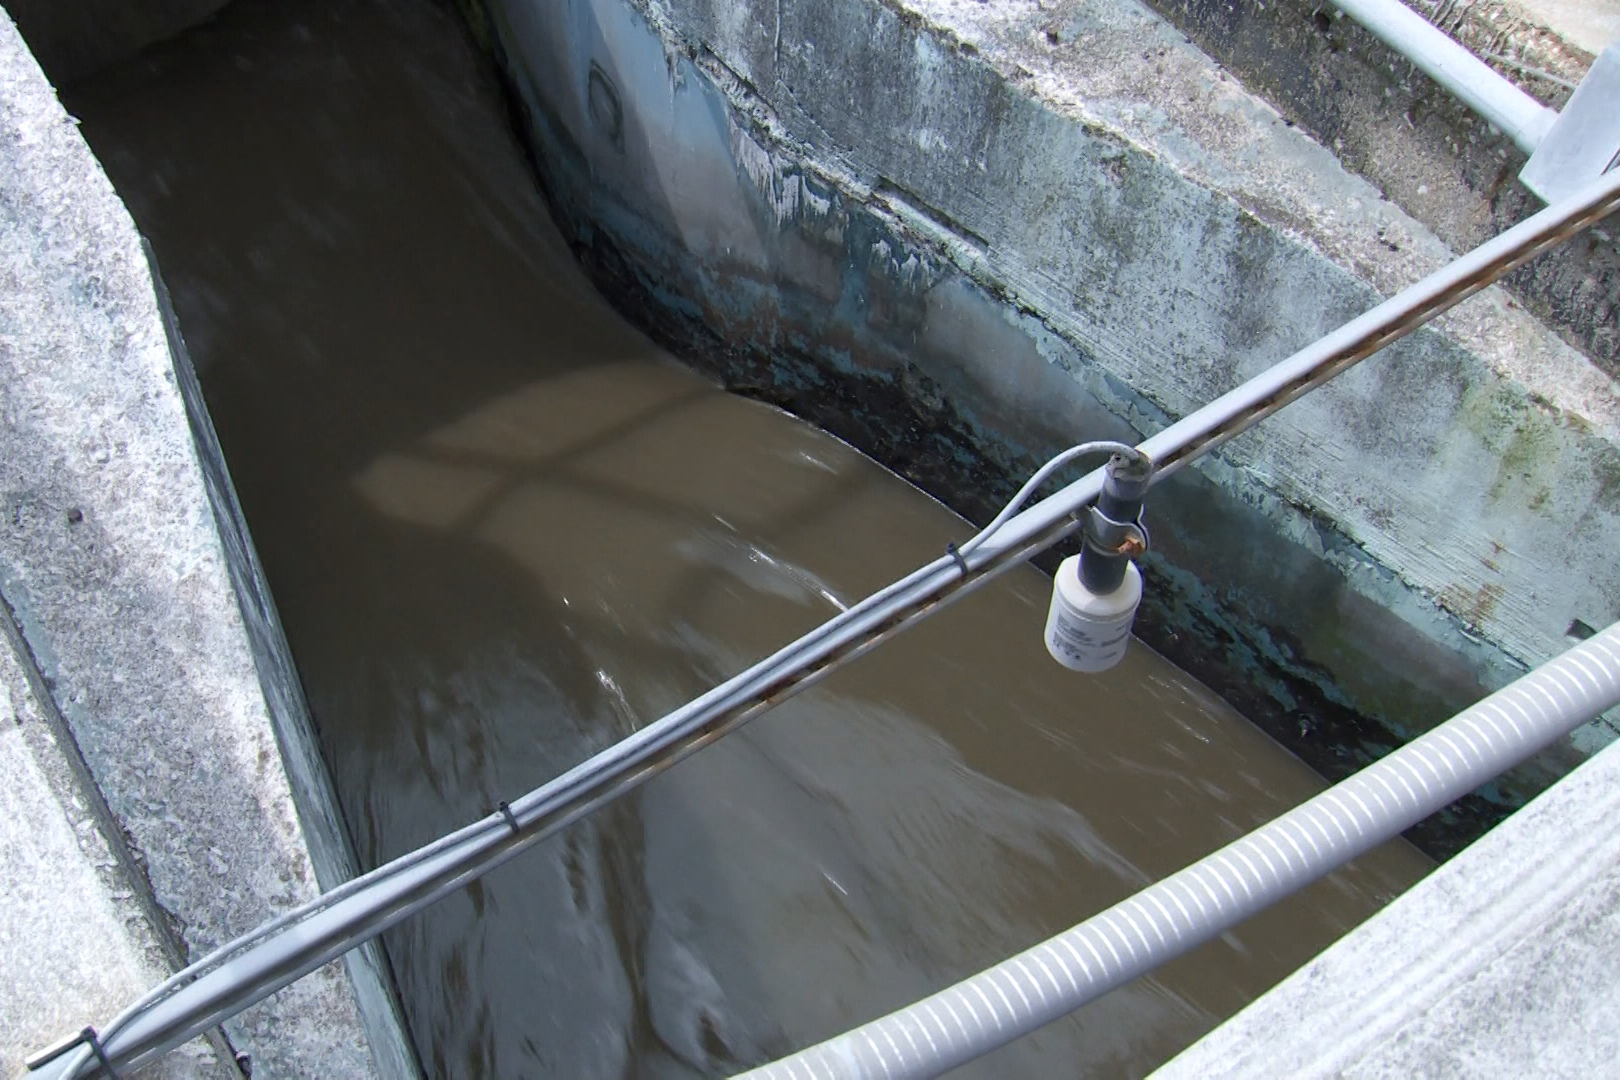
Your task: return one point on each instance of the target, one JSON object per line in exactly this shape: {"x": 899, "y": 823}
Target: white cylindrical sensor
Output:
{"x": 1085, "y": 631}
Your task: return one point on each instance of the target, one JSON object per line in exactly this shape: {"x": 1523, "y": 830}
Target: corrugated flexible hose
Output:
{"x": 1197, "y": 904}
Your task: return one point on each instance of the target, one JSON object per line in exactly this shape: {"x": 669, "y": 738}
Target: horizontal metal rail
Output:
{"x": 255, "y": 966}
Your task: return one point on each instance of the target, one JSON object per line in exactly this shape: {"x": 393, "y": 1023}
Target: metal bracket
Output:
{"x": 1584, "y": 142}
{"x": 87, "y": 1037}
{"x": 1106, "y": 536}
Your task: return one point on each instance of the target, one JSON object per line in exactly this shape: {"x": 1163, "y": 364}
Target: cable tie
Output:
{"x": 511, "y": 819}
{"x": 101, "y": 1054}
{"x": 950, "y": 549}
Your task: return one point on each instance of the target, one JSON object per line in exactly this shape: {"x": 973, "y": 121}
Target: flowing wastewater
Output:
{"x": 503, "y": 529}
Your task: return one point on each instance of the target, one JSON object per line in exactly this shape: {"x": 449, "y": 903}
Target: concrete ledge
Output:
{"x": 73, "y": 911}
{"x": 1504, "y": 963}
{"x": 110, "y": 558}
{"x": 1420, "y": 148}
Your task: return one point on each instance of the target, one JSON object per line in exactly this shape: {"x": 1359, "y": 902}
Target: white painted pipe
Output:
{"x": 1185, "y": 910}
{"x": 1524, "y": 119}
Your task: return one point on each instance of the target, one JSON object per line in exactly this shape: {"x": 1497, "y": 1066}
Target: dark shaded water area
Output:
{"x": 503, "y": 530}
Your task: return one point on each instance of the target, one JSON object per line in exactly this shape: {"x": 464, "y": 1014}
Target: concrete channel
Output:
{"x": 957, "y": 235}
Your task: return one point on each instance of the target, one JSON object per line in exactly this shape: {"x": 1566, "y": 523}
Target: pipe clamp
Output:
{"x": 1106, "y": 536}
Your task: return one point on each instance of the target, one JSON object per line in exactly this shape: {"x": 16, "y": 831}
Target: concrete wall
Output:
{"x": 161, "y": 805}
{"x": 963, "y": 234}
{"x": 72, "y": 38}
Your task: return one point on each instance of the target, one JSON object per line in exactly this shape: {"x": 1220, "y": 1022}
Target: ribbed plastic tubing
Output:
{"x": 1199, "y": 903}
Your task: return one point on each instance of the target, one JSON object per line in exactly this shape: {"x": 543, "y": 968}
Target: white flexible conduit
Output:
{"x": 1214, "y": 894}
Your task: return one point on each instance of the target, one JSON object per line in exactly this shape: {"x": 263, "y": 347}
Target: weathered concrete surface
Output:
{"x": 75, "y": 939}
{"x": 1504, "y": 963}
{"x": 72, "y": 38}
{"x": 1420, "y": 147}
{"x": 1592, "y": 25}
{"x": 111, "y": 561}
{"x": 961, "y": 235}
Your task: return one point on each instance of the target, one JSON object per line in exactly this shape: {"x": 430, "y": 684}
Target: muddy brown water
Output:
{"x": 503, "y": 530}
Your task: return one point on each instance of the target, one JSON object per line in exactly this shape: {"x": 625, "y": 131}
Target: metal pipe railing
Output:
{"x": 262, "y": 962}
{"x": 1492, "y": 95}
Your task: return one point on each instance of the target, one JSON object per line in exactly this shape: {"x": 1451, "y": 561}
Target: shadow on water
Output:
{"x": 503, "y": 530}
